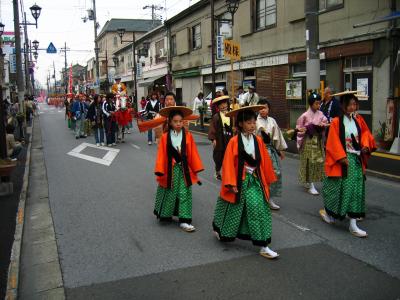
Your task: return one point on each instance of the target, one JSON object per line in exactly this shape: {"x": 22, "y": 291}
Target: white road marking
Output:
{"x": 135, "y": 146}
{"x": 286, "y": 220}
{"x": 106, "y": 160}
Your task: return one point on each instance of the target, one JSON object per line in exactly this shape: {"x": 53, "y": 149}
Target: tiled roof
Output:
{"x": 137, "y": 25}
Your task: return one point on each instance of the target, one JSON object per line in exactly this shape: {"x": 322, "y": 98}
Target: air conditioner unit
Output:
{"x": 163, "y": 52}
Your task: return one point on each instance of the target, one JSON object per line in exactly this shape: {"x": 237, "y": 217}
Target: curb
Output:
{"x": 13, "y": 269}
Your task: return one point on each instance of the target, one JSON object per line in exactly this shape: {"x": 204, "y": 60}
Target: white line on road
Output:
{"x": 286, "y": 220}
{"x": 106, "y": 160}
{"x": 135, "y": 146}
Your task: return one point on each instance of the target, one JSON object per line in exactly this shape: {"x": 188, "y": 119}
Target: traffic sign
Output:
{"x": 51, "y": 48}
{"x": 232, "y": 49}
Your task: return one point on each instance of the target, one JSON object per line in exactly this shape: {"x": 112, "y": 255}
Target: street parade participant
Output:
{"x": 220, "y": 132}
{"x": 269, "y": 131}
{"x": 95, "y": 116}
{"x": 311, "y": 126}
{"x": 109, "y": 119}
{"x": 177, "y": 165}
{"x": 242, "y": 209}
{"x": 118, "y": 87}
{"x": 347, "y": 152}
{"x": 123, "y": 116}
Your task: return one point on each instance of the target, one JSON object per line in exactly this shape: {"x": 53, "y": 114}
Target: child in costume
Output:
{"x": 269, "y": 131}
{"x": 310, "y": 131}
{"x": 177, "y": 165}
{"x": 347, "y": 150}
{"x": 220, "y": 132}
{"x": 242, "y": 209}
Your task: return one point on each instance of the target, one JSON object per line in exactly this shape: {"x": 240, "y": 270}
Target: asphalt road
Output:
{"x": 112, "y": 247}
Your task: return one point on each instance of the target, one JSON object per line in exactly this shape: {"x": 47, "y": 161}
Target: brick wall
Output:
{"x": 271, "y": 83}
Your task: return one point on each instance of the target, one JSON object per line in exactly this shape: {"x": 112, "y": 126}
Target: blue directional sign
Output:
{"x": 51, "y": 48}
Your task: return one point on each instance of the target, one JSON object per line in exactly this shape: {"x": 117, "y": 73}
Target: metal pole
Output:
{"x": 3, "y": 147}
{"x": 27, "y": 81}
{"x": 65, "y": 68}
{"x": 96, "y": 50}
{"x": 20, "y": 79}
{"x": 55, "y": 80}
{"x": 212, "y": 50}
{"x": 134, "y": 66}
{"x": 312, "y": 40}
{"x": 33, "y": 74}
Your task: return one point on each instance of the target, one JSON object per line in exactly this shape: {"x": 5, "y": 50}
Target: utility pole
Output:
{"x": 212, "y": 50}
{"x": 65, "y": 49}
{"x": 20, "y": 79}
{"x": 312, "y": 40}
{"x": 55, "y": 80}
{"x": 33, "y": 73}
{"x": 96, "y": 47}
{"x": 153, "y": 8}
{"x": 3, "y": 147}
{"x": 134, "y": 66}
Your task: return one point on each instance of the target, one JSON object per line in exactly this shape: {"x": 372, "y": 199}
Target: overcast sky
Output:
{"x": 61, "y": 21}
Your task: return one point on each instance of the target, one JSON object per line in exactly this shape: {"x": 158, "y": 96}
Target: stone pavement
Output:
{"x": 40, "y": 272}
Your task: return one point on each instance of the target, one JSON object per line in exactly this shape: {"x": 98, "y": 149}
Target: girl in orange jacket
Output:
{"x": 242, "y": 209}
{"x": 177, "y": 165}
{"x": 347, "y": 150}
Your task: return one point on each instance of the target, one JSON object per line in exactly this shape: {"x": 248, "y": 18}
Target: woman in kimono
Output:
{"x": 347, "y": 150}
{"x": 310, "y": 127}
{"x": 177, "y": 165}
{"x": 220, "y": 132}
{"x": 269, "y": 131}
{"x": 242, "y": 209}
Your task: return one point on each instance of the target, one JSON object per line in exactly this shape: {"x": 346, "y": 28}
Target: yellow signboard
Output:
{"x": 231, "y": 49}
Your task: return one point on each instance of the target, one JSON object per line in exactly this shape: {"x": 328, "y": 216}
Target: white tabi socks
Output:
{"x": 268, "y": 253}
{"x": 354, "y": 230}
{"x": 312, "y": 190}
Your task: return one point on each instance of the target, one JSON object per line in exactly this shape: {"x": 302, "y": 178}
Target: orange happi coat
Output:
{"x": 335, "y": 146}
{"x": 162, "y": 163}
{"x": 230, "y": 169}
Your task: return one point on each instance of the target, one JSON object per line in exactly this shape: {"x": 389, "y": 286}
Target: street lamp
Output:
{"x": 121, "y": 32}
{"x": 233, "y": 6}
{"x": 35, "y": 44}
{"x": 35, "y": 11}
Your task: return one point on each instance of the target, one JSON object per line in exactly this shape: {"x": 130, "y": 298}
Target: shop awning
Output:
{"x": 149, "y": 81}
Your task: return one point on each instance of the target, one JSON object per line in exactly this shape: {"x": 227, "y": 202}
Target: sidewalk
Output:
{"x": 383, "y": 165}
{"x": 39, "y": 268}
{"x": 8, "y": 212}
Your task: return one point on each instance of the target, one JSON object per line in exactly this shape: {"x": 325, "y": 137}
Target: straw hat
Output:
{"x": 234, "y": 113}
{"x": 220, "y": 99}
{"x": 167, "y": 110}
{"x": 346, "y": 93}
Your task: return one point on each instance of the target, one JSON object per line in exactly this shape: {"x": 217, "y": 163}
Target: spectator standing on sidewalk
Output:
{"x": 152, "y": 108}
{"x": 110, "y": 124}
{"x": 251, "y": 97}
{"x": 13, "y": 148}
{"x": 198, "y": 103}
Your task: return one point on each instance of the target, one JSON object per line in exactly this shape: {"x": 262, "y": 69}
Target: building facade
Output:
{"x": 272, "y": 38}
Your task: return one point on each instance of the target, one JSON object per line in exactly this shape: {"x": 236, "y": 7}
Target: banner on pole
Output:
{"x": 220, "y": 47}
{"x": 232, "y": 49}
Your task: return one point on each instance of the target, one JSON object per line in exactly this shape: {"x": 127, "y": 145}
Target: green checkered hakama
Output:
{"x": 176, "y": 201}
{"x": 275, "y": 189}
{"x": 346, "y": 196}
{"x": 249, "y": 219}
{"x": 311, "y": 160}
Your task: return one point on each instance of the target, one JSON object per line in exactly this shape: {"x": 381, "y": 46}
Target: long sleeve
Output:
{"x": 161, "y": 161}
{"x": 278, "y": 139}
{"x": 212, "y": 130}
{"x": 229, "y": 176}
{"x": 105, "y": 110}
{"x": 334, "y": 148}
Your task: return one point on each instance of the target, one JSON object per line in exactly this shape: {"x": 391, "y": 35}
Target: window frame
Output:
{"x": 266, "y": 27}
{"x": 331, "y": 8}
{"x": 173, "y": 46}
{"x": 193, "y": 37}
